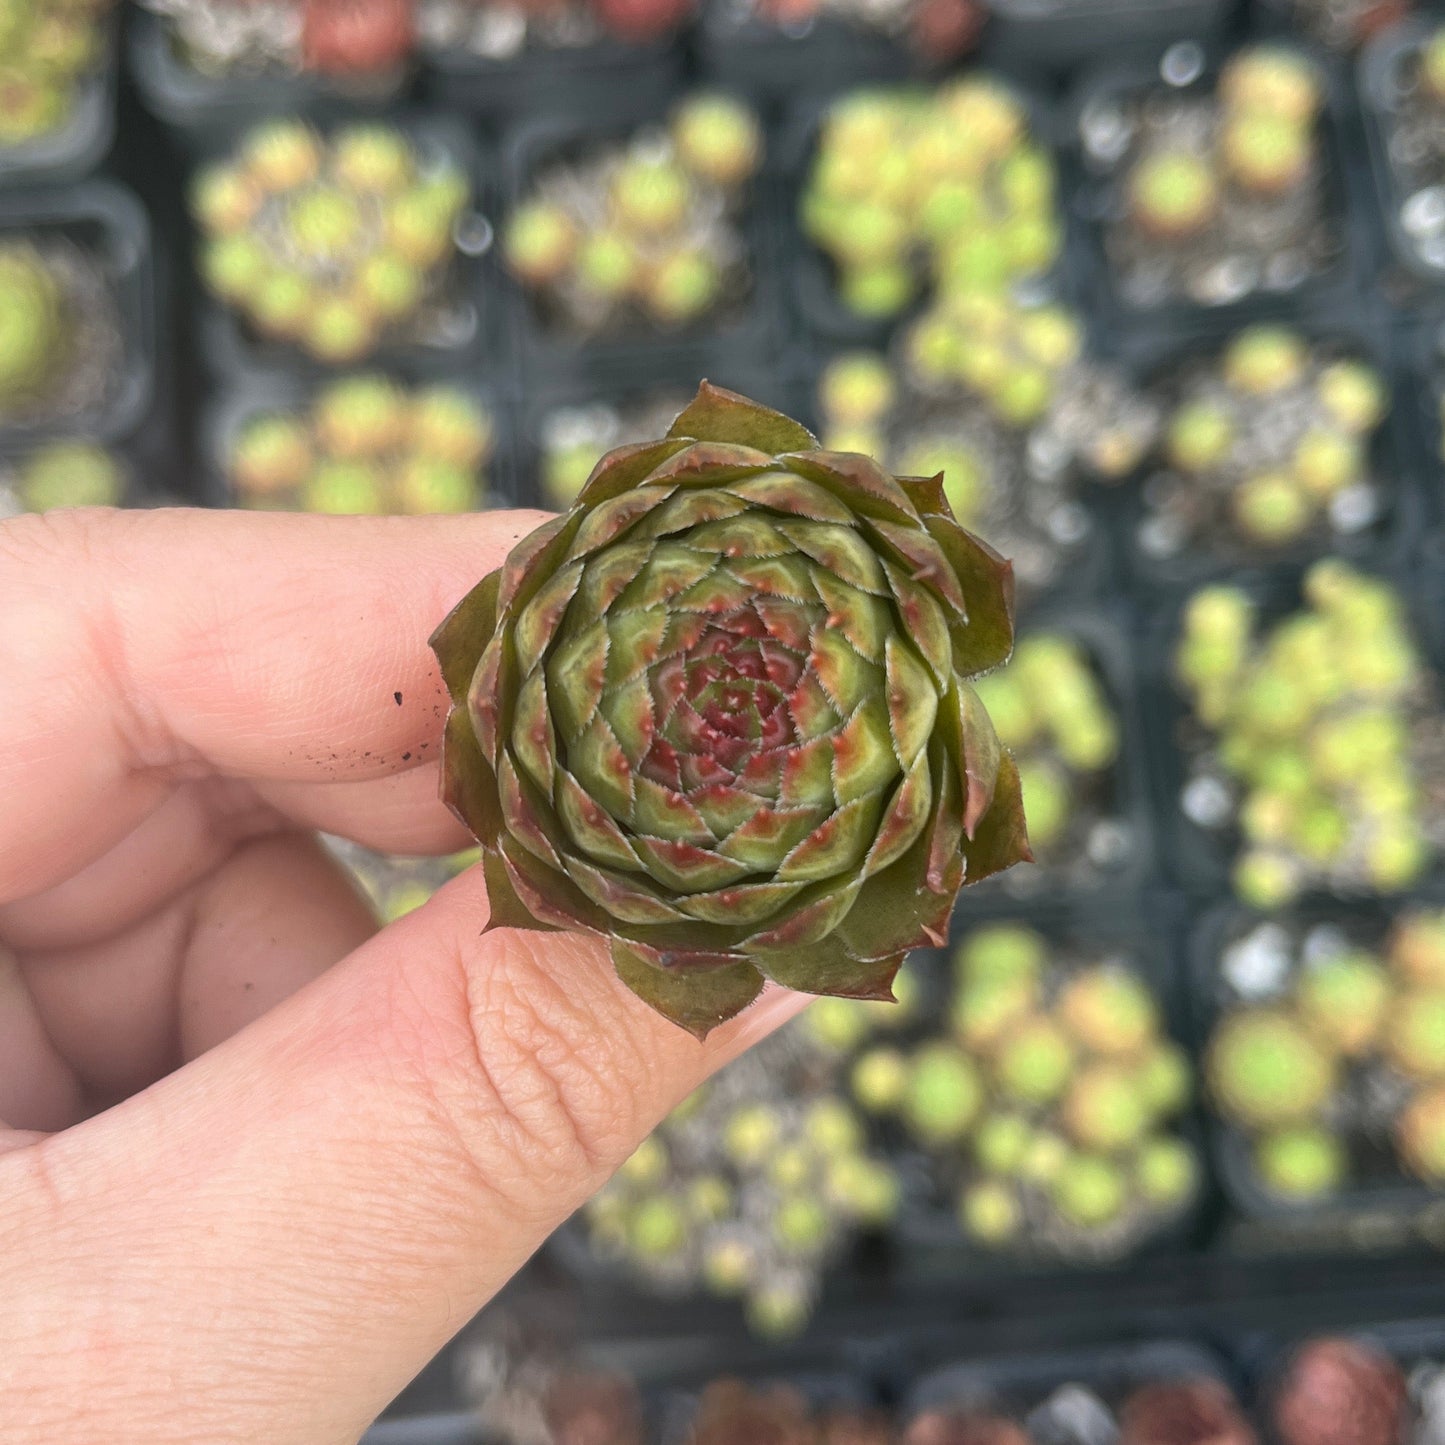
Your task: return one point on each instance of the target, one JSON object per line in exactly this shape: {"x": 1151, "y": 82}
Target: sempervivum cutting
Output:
{"x": 717, "y": 713}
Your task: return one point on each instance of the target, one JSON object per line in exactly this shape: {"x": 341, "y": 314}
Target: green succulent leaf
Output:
{"x": 699, "y": 1003}
{"x": 718, "y": 415}
{"x": 718, "y": 715}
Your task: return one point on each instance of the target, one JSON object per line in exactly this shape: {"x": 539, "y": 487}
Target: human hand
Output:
{"x": 258, "y": 1162}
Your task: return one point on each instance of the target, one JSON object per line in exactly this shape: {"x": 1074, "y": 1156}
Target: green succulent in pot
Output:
{"x": 335, "y": 244}
{"x": 718, "y": 714}
{"x": 911, "y": 187}
{"x": 36, "y": 328}
{"x": 643, "y": 233}
{"x": 1047, "y": 1114}
{"x": 366, "y": 444}
{"x": 49, "y": 49}
{"x": 70, "y": 474}
{"x": 1314, "y": 738}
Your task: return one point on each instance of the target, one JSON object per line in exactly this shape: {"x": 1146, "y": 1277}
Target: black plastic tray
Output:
{"x": 775, "y": 64}
{"x": 589, "y": 82}
{"x": 1422, "y": 363}
{"x": 458, "y": 1427}
{"x": 1049, "y": 37}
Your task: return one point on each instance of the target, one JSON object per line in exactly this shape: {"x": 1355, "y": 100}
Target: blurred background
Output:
{"x": 1153, "y": 1153}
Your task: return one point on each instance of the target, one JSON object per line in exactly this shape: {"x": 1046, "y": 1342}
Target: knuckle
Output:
{"x": 562, "y": 1095}
{"x": 535, "y": 1081}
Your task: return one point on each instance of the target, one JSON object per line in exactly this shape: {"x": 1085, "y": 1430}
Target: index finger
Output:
{"x": 145, "y": 647}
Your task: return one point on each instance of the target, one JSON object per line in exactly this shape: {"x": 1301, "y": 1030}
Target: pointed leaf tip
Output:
{"x": 697, "y": 1002}
{"x": 927, "y": 495}
{"x": 718, "y": 415}
{"x": 459, "y": 639}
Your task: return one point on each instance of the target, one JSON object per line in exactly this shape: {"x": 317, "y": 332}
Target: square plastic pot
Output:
{"x": 811, "y": 276}
{"x": 460, "y": 333}
{"x": 926, "y": 1243}
{"x": 1018, "y": 1384}
{"x": 1127, "y": 860}
{"x": 109, "y": 225}
{"x": 1089, "y": 570}
{"x": 79, "y": 144}
{"x": 823, "y": 1386}
{"x": 1190, "y": 70}
{"x": 1404, "y": 209}
{"x": 228, "y": 411}
{"x": 1161, "y": 357}
{"x": 1385, "y": 1213}
{"x": 743, "y": 337}
{"x": 1199, "y": 859}
{"x": 1379, "y": 1324}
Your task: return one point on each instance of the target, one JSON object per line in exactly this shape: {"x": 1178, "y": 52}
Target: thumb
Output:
{"x": 269, "y": 1243}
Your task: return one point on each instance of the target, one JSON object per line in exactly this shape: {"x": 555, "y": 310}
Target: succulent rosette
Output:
{"x": 717, "y": 713}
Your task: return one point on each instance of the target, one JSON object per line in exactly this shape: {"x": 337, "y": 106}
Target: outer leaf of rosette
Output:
{"x": 986, "y": 639}
{"x": 718, "y": 415}
{"x": 1002, "y": 837}
{"x": 829, "y": 969}
{"x": 902, "y": 906}
{"x": 927, "y": 495}
{"x": 464, "y": 632}
{"x": 621, "y": 469}
{"x": 698, "y": 1000}
{"x": 507, "y": 910}
{"x": 469, "y": 786}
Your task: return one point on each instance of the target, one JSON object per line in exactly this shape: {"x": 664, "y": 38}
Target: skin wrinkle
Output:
{"x": 190, "y": 840}
{"x": 493, "y": 1097}
{"x": 41, "y": 1068}
{"x": 64, "y": 983}
{"x": 615, "y": 1111}
{"x": 402, "y": 813}
{"x": 546, "y": 1089}
{"x": 145, "y": 744}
